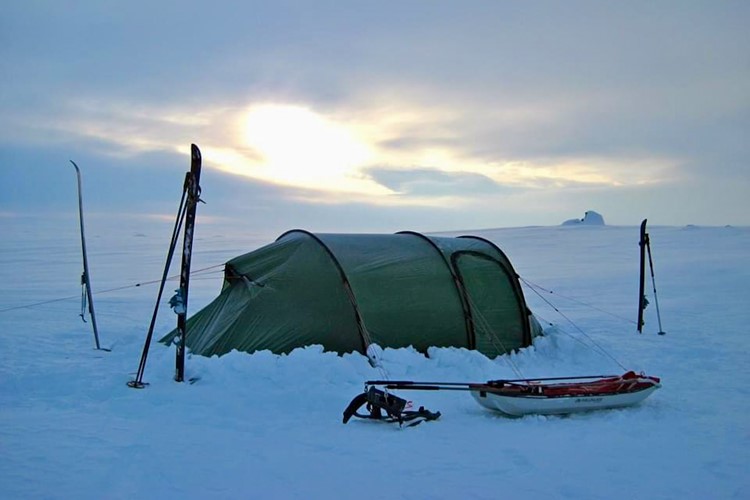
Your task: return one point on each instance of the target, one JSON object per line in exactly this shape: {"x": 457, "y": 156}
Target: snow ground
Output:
{"x": 267, "y": 426}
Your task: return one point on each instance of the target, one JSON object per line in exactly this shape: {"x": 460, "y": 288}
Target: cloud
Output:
{"x": 493, "y": 100}
{"x": 427, "y": 182}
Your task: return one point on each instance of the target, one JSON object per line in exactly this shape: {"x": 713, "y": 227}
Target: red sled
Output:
{"x": 533, "y": 397}
{"x": 541, "y": 396}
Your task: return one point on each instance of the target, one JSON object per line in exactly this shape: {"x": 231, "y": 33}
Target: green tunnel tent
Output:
{"x": 346, "y": 291}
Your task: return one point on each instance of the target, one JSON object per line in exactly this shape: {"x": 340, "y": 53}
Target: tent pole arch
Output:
{"x": 363, "y": 333}
{"x": 516, "y": 285}
{"x": 468, "y": 320}
{"x": 346, "y": 291}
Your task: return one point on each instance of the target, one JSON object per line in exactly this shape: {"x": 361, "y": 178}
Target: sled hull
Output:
{"x": 519, "y": 405}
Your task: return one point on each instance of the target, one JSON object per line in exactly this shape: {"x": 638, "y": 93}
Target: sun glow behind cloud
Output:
{"x": 295, "y": 146}
{"x": 384, "y": 154}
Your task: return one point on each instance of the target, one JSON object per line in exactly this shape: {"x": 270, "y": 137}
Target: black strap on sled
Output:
{"x": 377, "y": 402}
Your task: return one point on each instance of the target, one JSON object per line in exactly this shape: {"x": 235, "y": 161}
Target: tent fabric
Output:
{"x": 346, "y": 291}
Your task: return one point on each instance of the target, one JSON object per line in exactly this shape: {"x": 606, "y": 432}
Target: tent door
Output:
{"x": 497, "y": 315}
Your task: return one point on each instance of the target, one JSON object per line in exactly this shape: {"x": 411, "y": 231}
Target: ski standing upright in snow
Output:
{"x": 642, "y": 301}
{"x": 645, "y": 244}
{"x": 180, "y": 301}
{"x": 185, "y": 213}
{"x": 87, "y": 295}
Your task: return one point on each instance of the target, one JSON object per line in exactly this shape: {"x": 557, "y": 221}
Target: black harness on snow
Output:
{"x": 378, "y": 401}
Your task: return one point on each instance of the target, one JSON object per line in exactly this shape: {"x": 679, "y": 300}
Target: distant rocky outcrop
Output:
{"x": 590, "y": 218}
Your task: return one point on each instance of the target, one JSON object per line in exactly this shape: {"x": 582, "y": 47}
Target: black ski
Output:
{"x": 642, "y": 302}
{"x": 87, "y": 295}
{"x": 180, "y": 301}
{"x": 190, "y": 197}
{"x": 645, "y": 244}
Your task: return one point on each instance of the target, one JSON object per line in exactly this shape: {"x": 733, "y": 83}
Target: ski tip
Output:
{"x": 195, "y": 151}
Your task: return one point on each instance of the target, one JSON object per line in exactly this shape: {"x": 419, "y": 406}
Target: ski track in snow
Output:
{"x": 269, "y": 426}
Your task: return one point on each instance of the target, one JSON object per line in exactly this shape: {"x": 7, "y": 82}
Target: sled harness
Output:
{"x": 386, "y": 407}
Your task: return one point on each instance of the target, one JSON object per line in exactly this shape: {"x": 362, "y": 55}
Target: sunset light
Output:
{"x": 293, "y": 145}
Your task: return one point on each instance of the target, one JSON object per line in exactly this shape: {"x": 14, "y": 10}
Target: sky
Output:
{"x": 378, "y": 116}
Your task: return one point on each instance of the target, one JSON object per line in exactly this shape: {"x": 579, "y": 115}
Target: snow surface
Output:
{"x": 268, "y": 426}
